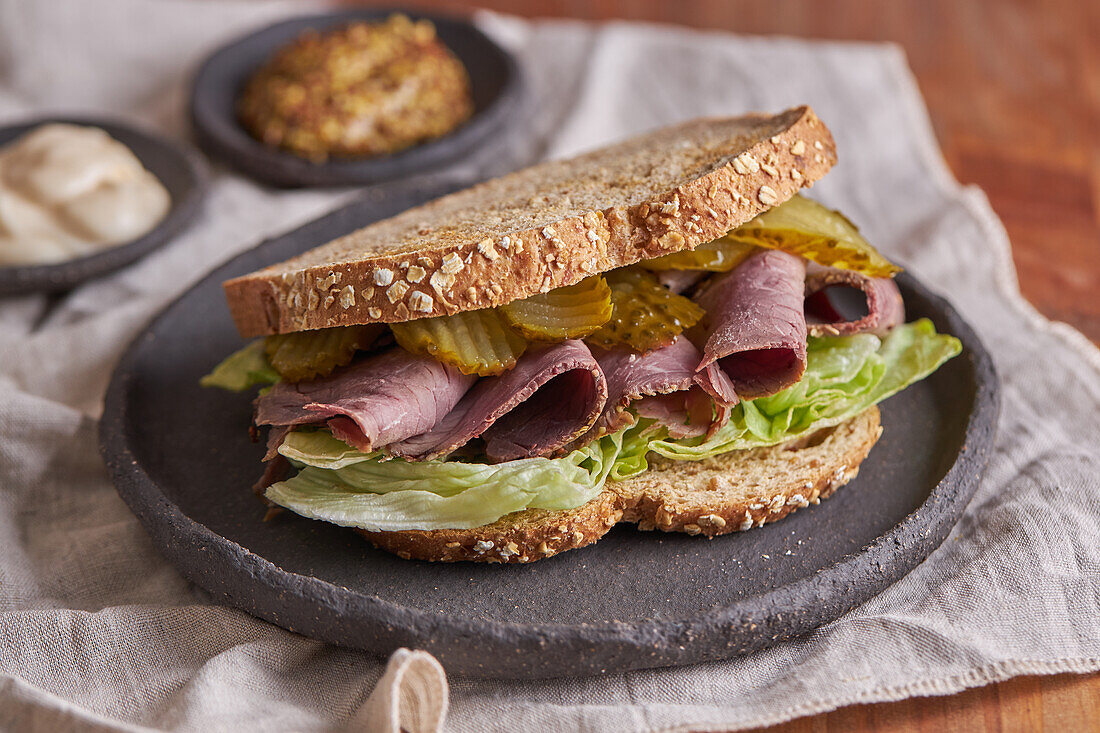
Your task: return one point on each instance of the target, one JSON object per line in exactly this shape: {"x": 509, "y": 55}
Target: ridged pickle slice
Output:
{"x": 804, "y": 227}
{"x": 720, "y": 255}
{"x": 305, "y": 355}
{"x": 476, "y": 342}
{"x": 645, "y": 314}
{"x": 563, "y": 313}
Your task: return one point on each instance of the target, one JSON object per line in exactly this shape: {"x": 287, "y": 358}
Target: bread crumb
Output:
{"x": 671, "y": 240}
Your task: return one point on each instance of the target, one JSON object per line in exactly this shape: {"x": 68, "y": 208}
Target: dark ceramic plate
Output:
{"x": 497, "y": 87}
{"x": 180, "y": 169}
{"x": 181, "y": 458}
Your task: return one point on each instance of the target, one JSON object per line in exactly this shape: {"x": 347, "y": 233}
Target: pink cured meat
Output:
{"x": 661, "y": 384}
{"x": 756, "y": 327}
{"x": 371, "y": 403}
{"x": 552, "y": 396}
{"x": 885, "y": 308}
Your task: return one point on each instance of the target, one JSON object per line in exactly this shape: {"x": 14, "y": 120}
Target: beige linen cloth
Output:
{"x": 98, "y": 633}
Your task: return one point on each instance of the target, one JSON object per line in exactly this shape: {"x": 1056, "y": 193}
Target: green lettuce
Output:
{"x": 318, "y": 448}
{"x": 242, "y": 369}
{"x": 844, "y": 376}
{"x": 370, "y": 492}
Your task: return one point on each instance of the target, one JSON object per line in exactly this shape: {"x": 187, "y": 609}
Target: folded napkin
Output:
{"x": 100, "y": 634}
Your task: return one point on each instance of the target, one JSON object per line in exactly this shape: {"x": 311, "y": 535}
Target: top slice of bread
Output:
{"x": 543, "y": 227}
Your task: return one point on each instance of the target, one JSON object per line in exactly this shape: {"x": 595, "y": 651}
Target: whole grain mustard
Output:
{"x": 363, "y": 90}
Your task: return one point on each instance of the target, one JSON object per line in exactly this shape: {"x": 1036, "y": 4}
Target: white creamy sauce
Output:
{"x": 67, "y": 191}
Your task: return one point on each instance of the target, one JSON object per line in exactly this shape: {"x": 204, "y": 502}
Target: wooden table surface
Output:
{"x": 1014, "y": 92}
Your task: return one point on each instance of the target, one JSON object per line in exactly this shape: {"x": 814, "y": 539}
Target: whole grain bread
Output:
{"x": 727, "y": 493}
{"x": 543, "y": 227}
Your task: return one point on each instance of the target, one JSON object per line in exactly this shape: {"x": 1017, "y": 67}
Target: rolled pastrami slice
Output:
{"x": 660, "y": 384}
{"x": 370, "y": 403}
{"x": 717, "y": 384}
{"x": 885, "y": 308}
{"x": 755, "y": 328}
{"x": 552, "y": 396}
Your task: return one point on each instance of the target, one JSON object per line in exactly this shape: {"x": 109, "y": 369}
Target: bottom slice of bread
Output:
{"x": 728, "y": 493}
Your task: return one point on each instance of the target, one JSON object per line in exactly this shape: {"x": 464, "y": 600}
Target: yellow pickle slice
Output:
{"x": 563, "y": 313}
{"x": 311, "y": 354}
{"x": 476, "y": 342}
{"x": 803, "y": 227}
{"x": 645, "y": 314}
{"x": 721, "y": 255}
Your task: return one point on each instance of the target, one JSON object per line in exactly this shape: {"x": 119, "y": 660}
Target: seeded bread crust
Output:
{"x": 728, "y": 493}
{"x": 543, "y": 227}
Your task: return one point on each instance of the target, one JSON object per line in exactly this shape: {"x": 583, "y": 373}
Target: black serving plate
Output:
{"x": 181, "y": 458}
{"x": 180, "y": 169}
{"x": 496, "y": 81}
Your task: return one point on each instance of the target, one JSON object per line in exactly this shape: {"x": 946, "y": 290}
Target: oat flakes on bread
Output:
{"x": 642, "y": 334}
{"x": 543, "y": 227}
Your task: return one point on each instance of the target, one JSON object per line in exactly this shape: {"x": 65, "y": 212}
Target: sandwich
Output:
{"x": 664, "y": 332}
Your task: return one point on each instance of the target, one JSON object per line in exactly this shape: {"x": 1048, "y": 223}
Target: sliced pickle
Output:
{"x": 645, "y": 314}
{"x": 311, "y": 354}
{"x": 563, "y": 313}
{"x": 477, "y": 342}
{"x": 804, "y": 227}
{"x": 720, "y": 255}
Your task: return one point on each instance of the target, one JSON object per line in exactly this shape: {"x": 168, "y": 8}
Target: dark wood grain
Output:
{"x": 1013, "y": 88}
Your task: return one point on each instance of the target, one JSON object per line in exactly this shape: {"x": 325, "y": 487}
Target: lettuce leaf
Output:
{"x": 242, "y": 369}
{"x": 844, "y": 376}
{"x": 318, "y": 447}
{"x": 372, "y": 493}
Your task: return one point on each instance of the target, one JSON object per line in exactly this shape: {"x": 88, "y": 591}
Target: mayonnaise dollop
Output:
{"x": 67, "y": 191}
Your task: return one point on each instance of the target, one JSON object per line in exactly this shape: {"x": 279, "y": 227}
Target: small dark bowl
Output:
{"x": 496, "y": 82}
{"x": 180, "y": 169}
